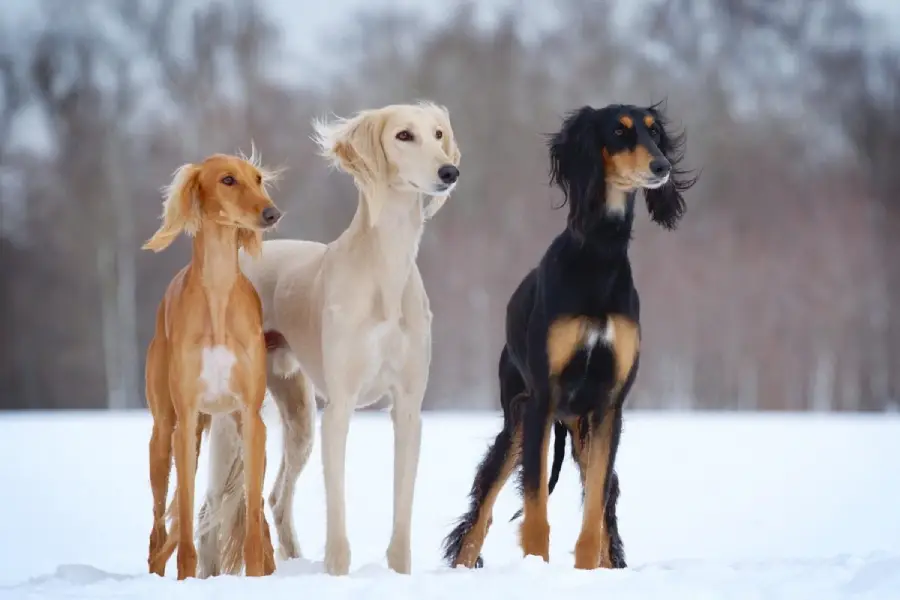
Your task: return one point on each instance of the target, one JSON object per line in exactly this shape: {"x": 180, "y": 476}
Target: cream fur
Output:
{"x": 356, "y": 319}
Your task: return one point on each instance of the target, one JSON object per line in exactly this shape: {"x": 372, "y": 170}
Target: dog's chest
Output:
{"x": 217, "y": 393}
{"x": 386, "y": 346}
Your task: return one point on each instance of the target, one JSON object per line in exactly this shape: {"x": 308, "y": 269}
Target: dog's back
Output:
{"x": 278, "y": 260}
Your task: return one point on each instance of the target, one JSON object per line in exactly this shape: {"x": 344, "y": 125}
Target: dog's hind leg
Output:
{"x": 295, "y": 397}
{"x": 463, "y": 545}
{"x": 616, "y": 547}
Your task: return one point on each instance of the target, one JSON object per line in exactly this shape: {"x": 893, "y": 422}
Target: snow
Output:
{"x": 714, "y": 506}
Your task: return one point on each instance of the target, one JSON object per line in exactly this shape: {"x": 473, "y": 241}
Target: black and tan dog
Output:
{"x": 573, "y": 334}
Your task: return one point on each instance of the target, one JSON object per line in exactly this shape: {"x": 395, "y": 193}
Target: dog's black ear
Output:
{"x": 576, "y": 166}
{"x": 666, "y": 204}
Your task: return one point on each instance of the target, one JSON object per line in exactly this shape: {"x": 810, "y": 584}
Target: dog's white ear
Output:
{"x": 449, "y": 140}
{"x": 355, "y": 146}
{"x": 181, "y": 208}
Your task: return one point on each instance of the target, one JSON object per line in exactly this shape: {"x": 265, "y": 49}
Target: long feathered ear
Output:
{"x": 354, "y": 145}
{"x": 576, "y": 166}
{"x": 666, "y": 204}
{"x": 181, "y": 208}
{"x": 451, "y": 149}
{"x": 250, "y": 240}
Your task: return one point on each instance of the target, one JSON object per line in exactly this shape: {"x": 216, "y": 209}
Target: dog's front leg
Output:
{"x": 535, "y": 529}
{"x": 407, "y": 418}
{"x": 335, "y": 426}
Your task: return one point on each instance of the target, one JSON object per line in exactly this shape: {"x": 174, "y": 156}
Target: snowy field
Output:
{"x": 717, "y": 507}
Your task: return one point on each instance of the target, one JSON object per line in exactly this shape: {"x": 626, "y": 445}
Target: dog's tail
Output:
{"x": 221, "y": 524}
{"x": 559, "y": 451}
{"x": 171, "y": 514}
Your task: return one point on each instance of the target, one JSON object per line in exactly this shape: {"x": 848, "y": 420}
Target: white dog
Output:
{"x": 349, "y": 320}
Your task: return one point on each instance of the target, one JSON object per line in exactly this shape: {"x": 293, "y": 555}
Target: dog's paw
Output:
{"x": 337, "y": 557}
{"x": 399, "y": 557}
{"x": 289, "y": 549}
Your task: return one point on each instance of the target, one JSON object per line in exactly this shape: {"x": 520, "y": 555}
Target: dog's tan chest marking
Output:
{"x": 626, "y": 344}
{"x": 568, "y": 335}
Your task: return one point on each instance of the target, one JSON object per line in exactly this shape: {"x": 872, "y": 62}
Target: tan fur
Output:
{"x": 564, "y": 338}
{"x": 534, "y": 533}
{"x": 590, "y": 549}
{"x": 474, "y": 539}
{"x": 207, "y": 354}
{"x": 626, "y": 342}
{"x": 355, "y": 316}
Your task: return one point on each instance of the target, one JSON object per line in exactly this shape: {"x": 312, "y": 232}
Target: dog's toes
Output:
{"x": 479, "y": 562}
{"x": 337, "y": 557}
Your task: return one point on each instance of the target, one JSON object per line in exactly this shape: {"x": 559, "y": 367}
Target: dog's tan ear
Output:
{"x": 251, "y": 241}
{"x": 181, "y": 208}
{"x": 355, "y": 146}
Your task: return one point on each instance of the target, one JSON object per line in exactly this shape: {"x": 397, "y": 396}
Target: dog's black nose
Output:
{"x": 448, "y": 174}
{"x": 270, "y": 215}
{"x": 660, "y": 167}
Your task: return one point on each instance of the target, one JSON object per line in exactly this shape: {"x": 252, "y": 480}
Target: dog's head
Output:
{"x": 403, "y": 147}
{"x": 226, "y": 190}
{"x": 601, "y": 156}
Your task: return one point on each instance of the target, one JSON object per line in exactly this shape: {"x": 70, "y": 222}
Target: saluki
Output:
{"x": 573, "y": 333}
{"x": 208, "y": 354}
{"x": 351, "y": 321}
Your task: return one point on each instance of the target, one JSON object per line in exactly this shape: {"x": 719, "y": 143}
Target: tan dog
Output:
{"x": 351, "y": 320}
{"x": 207, "y": 355}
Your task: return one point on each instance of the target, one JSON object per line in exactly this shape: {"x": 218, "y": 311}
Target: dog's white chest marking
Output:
{"x": 215, "y": 374}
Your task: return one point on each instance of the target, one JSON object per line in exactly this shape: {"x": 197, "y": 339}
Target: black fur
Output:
{"x": 585, "y": 272}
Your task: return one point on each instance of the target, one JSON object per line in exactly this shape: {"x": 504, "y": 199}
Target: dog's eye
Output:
{"x": 259, "y": 179}
{"x": 620, "y": 131}
{"x": 438, "y": 134}
{"x": 654, "y": 131}
{"x": 228, "y": 180}
{"x": 404, "y": 136}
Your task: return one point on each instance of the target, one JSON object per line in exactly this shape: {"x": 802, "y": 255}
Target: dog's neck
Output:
{"x": 391, "y": 244}
{"x": 610, "y": 235}
{"x": 215, "y": 265}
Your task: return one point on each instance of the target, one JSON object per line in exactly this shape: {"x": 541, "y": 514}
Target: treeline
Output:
{"x": 781, "y": 290}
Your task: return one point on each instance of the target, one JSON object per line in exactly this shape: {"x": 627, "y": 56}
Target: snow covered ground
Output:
{"x": 730, "y": 507}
